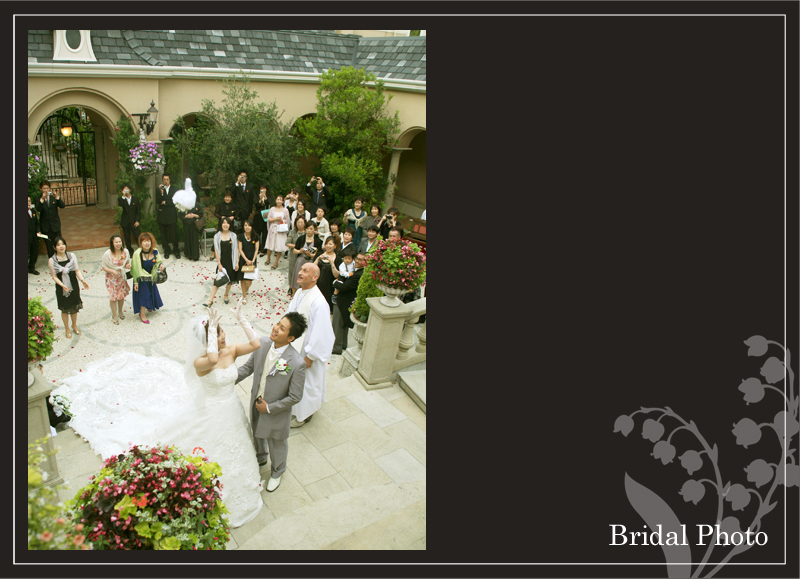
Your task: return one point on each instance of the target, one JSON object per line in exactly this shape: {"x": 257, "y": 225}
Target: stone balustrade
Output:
{"x": 385, "y": 344}
{"x": 39, "y": 425}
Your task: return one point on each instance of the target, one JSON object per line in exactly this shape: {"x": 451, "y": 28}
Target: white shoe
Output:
{"x": 295, "y": 424}
{"x": 273, "y": 484}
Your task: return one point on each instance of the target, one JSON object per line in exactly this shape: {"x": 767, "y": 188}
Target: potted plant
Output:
{"x": 41, "y": 331}
{"x": 398, "y": 267}
{"x": 154, "y": 498}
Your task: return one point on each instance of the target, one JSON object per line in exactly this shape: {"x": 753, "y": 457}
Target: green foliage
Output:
{"x": 367, "y": 288}
{"x": 37, "y": 169}
{"x": 414, "y": 33}
{"x": 174, "y": 164}
{"x": 125, "y": 139}
{"x": 350, "y": 134}
{"x": 240, "y": 134}
{"x": 41, "y": 330}
{"x": 49, "y": 527}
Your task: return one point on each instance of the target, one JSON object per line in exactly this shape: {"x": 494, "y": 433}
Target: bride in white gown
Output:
{"x": 129, "y": 399}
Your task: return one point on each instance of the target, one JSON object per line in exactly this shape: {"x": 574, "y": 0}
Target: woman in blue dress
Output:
{"x": 145, "y": 290}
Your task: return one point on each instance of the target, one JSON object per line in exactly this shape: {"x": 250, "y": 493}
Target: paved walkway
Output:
{"x": 356, "y": 474}
{"x": 87, "y": 227}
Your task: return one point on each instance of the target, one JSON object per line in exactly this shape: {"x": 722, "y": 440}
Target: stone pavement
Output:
{"x": 356, "y": 474}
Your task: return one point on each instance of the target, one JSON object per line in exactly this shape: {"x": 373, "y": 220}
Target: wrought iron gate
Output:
{"x": 71, "y": 162}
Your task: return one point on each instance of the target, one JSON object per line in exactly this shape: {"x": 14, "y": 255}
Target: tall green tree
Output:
{"x": 350, "y": 134}
{"x": 240, "y": 134}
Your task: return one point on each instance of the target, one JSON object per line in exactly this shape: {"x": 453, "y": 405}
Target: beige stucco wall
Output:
{"x": 107, "y": 98}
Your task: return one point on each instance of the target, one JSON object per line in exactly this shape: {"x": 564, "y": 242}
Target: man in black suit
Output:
{"x": 243, "y": 200}
{"x": 49, "y": 221}
{"x": 131, "y": 214}
{"x": 318, "y": 196}
{"x": 33, "y": 239}
{"x": 167, "y": 218}
{"x": 341, "y": 309}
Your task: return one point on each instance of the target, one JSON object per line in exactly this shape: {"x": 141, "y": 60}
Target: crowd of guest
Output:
{"x": 251, "y": 226}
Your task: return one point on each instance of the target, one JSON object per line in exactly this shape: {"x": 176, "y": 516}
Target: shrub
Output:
{"x": 154, "y": 498}
{"x": 49, "y": 524}
{"x": 367, "y": 288}
{"x": 41, "y": 330}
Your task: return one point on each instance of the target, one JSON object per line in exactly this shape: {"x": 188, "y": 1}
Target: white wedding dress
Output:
{"x": 132, "y": 399}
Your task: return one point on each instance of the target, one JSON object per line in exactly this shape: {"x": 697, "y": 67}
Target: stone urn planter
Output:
{"x": 392, "y": 295}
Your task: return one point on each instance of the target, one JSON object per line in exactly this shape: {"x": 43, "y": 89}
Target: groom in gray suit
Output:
{"x": 279, "y": 373}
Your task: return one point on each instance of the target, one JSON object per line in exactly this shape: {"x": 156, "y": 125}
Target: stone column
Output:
{"x": 381, "y": 343}
{"x": 39, "y": 425}
{"x": 103, "y": 195}
{"x": 407, "y": 339}
{"x": 394, "y": 166}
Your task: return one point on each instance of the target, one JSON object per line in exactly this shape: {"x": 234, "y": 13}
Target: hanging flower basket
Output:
{"x": 146, "y": 159}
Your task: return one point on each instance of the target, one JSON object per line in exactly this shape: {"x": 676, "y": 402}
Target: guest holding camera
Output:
{"x": 318, "y": 194}
{"x": 131, "y": 215}
{"x": 49, "y": 221}
{"x": 328, "y": 263}
{"x": 388, "y": 221}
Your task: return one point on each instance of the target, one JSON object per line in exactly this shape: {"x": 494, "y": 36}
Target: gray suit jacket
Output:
{"x": 282, "y": 391}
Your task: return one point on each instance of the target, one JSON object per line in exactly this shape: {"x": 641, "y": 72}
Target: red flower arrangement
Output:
{"x": 154, "y": 498}
{"x": 398, "y": 263}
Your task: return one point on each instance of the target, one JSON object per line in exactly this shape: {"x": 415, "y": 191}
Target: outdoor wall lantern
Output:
{"x": 151, "y": 115}
{"x": 66, "y": 128}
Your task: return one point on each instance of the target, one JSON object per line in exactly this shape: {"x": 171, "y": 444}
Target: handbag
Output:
{"x": 162, "y": 275}
{"x": 200, "y": 223}
{"x": 247, "y": 268}
{"x": 250, "y": 274}
{"x": 222, "y": 279}
{"x": 283, "y": 228}
{"x": 264, "y": 214}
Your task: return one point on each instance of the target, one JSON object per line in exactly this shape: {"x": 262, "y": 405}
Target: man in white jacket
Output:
{"x": 315, "y": 345}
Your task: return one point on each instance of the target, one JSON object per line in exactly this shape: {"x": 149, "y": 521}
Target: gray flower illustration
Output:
{"x": 758, "y": 346}
{"x": 664, "y": 450}
{"x": 747, "y": 432}
{"x": 773, "y": 370}
{"x": 759, "y": 472}
{"x": 652, "y": 430}
{"x": 792, "y": 475}
{"x": 691, "y": 461}
{"x": 781, "y": 419}
{"x": 738, "y": 497}
{"x": 692, "y": 490}
{"x": 730, "y": 525}
{"x": 623, "y": 424}
{"x": 753, "y": 390}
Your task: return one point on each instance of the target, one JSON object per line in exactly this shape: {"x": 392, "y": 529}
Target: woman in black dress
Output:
{"x": 307, "y": 247}
{"x": 191, "y": 235}
{"x": 259, "y": 218}
{"x": 328, "y": 263}
{"x": 66, "y": 273}
{"x": 248, "y": 248}
{"x": 226, "y": 252}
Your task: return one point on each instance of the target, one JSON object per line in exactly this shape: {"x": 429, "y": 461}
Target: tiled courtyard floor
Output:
{"x": 356, "y": 474}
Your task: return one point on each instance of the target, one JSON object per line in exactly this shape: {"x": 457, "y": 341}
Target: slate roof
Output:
{"x": 278, "y": 50}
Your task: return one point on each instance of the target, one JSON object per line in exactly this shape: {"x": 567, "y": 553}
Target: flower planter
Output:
{"x": 393, "y": 293}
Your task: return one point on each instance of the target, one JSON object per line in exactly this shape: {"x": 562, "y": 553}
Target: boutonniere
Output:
{"x": 280, "y": 366}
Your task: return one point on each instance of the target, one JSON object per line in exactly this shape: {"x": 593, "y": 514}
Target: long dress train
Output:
{"x": 129, "y": 399}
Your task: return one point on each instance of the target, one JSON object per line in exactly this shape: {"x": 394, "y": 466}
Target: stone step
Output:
{"x": 414, "y": 384}
{"x": 390, "y": 516}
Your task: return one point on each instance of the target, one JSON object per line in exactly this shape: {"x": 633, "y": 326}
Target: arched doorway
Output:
{"x": 68, "y": 148}
{"x": 101, "y": 111}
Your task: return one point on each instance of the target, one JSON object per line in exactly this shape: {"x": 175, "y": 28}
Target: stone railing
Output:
{"x": 39, "y": 425}
{"x": 385, "y": 344}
